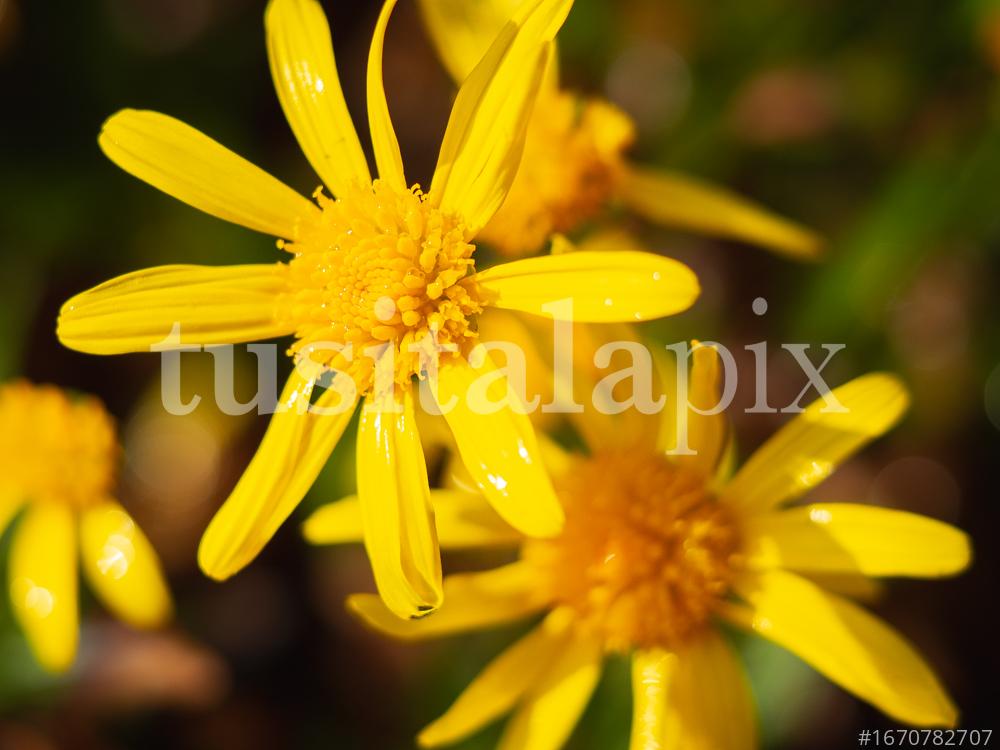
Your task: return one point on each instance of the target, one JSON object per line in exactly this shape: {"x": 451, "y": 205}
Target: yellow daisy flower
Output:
{"x": 381, "y": 268}
{"x": 58, "y": 461}
{"x": 574, "y": 164}
{"x": 660, "y": 549}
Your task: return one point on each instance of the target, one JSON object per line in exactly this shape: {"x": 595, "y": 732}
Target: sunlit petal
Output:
{"x": 43, "y": 583}
{"x": 295, "y": 448}
{"x": 397, "y": 517}
{"x": 707, "y": 434}
{"x": 846, "y": 538}
{"x": 605, "y": 287}
{"x": 122, "y": 567}
{"x": 851, "y": 647}
{"x": 806, "y": 450}
{"x": 190, "y": 166}
{"x": 500, "y": 685}
{"x": 484, "y": 140}
{"x": 499, "y": 450}
{"x": 384, "y": 143}
{"x": 300, "y": 51}
{"x": 207, "y": 305}
{"x": 550, "y": 711}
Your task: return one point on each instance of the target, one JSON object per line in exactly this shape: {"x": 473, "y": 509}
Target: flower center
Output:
{"x": 382, "y": 268}
{"x": 54, "y": 448}
{"x": 645, "y": 552}
{"x": 572, "y": 159}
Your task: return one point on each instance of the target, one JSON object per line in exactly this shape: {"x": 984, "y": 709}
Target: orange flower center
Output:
{"x": 381, "y": 268}
{"x": 645, "y": 553}
{"x": 572, "y": 159}
{"x": 54, "y": 448}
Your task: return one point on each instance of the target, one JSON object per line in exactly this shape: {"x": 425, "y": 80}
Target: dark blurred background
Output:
{"x": 874, "y": 122}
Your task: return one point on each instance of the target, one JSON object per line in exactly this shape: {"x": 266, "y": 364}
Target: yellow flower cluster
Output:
{"x": 624, "y": 547}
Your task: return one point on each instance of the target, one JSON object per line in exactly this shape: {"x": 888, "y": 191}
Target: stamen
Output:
{"x": 645, "y": 553}
{"x": 54, "y": 448}
{"x": 381, "y": 267}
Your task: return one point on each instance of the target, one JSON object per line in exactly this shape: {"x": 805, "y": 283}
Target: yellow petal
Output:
{"x": 122, "y": 567}
{"x": 211, "y": 306}
{"x": 294, "y": 449}
{"x": 464, "y": 520}
{"x": 472, "y": 601}
{"x": 709, "y": 706}
{"x": 300, "y": 51}
{"x": 846, "y": 538}
{"x": 707, "y": 435}
{"x": 396, "y": 511}
{"x": 190, "y": 166}
{"x": 652, "y": 676}
{"x": 500, "y": 451}
{"x": 550, "y": 711}
{"x": 849, "y": 646}
{"x": 384, "y": 143}
{"x": 604, "y": 287}
{"x": 807, "y": 450}
{"x": 500, "y": 685}
{"x": 43, "y": 584}
{"x": 484, "y": 139}
{"x": 462, "y": 32}
{"x": 678, "y": 201}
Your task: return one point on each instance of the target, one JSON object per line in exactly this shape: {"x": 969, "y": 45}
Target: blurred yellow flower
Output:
{"x": 381, "y": 268}
{"x": 574, "y": 166}
{"x": 58, "y": 459}
{"x": 659, "y": 549}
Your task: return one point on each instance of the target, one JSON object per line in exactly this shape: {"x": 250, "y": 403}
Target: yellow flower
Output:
{"x": 574, "y": 165}
{"x": 380, "y": 268}
{"x": 660, "y": 549}
{"x": 58, "y": 461}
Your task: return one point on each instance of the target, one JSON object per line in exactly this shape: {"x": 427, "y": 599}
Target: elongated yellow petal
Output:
{"x": 43, "y": 583}
{"x": 484, "y": 139}
{"x": 122, "y": 567}
{"x": 300, "y": 51}
{"x": 294, "y": 449}
{"x": 384, "y": 143}
{"x": 190, "y": 166}
{"x": 396, "y": 511}
{"x": 707, "y": 434}
{"x": 472, "y": 601}
{"x": 604, "y": 287}
{"x": 546, "y": 718}
{"x": 806, "y": 450}
{"x": 462, "y": 32}
{"x": 851, "y": 647}
{"x": 500, "y": 451}
{"x": 677, "y": 201}
{"x": 652, "y": 676}
{"x": 464, "y": 520}
{"x": 846, "y": 538}
{"x": 207, "y": 305}
{"x": 500, "y": 685}
{"x": 708, "y": 704}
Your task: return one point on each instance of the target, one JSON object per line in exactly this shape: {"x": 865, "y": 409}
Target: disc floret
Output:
{"x": 645, "y": 553}
{"x": 381, "y": 268}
